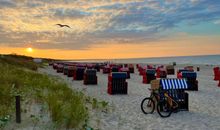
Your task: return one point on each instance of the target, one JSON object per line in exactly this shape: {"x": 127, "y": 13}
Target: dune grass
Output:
{"x": 66, "y": 107}
{"x": 19, "y": 61}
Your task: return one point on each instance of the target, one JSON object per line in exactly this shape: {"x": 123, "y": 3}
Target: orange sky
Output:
{"x": 176, "y": 47}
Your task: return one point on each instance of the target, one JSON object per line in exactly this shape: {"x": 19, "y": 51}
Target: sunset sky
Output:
{"x": 109, "y": 29}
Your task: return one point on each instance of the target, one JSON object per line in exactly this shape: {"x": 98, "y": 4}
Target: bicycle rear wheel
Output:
{"x": 164, "y": 109}
{"x": 147, "y": 105}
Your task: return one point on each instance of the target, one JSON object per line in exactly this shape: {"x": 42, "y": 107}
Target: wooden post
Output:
{"x": 18, "y": 109}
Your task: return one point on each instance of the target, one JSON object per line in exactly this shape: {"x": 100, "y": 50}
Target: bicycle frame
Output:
{"x": 170, "y": 100}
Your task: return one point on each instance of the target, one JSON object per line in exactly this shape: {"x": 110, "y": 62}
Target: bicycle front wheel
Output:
{"x": 164, "y": 109}
{"x": 147, "y": 105}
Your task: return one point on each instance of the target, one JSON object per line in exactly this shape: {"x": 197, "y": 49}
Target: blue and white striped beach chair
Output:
{"x": 175, "y": 88}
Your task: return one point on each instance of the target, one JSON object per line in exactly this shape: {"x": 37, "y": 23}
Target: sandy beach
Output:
{"x": 125, "y": 112}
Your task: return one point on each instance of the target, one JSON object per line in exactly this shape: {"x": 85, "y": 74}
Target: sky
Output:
{"x": 110, "y": 29}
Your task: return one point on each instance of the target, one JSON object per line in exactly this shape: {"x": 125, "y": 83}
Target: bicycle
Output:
{"x": 165, "y": 104}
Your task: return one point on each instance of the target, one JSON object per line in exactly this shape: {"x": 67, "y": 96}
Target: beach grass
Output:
{"x": 66, "y": 106}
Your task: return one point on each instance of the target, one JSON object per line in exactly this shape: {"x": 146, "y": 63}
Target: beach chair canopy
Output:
{"x": 173, "y": 84}
{"x": 90, "y": 71}
{"x": 186, "y": 74}
{"x": 150, "y": 71}
{"x": 182, "y": 70}
{"x": 80, "y": 69}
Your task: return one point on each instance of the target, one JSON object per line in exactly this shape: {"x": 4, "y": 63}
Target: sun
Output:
{"x": 29, "y": 49}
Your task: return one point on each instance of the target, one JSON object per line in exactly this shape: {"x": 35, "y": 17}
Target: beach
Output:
{"x": 125, "y": 113}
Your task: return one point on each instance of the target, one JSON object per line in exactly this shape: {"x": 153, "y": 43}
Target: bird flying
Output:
{"x": 63, "y": 25}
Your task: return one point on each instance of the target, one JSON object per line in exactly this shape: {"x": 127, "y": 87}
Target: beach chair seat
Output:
{"x": 117, "y": 83}
{"x": 175, "y": 89}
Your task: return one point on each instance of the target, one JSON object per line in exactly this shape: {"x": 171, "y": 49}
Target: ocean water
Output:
{"x": 193, "y": 60}
{"x": 203, "y": 60}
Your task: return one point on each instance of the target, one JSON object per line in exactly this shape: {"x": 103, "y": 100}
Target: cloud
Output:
{"x": 69, "y": 13}
{"x": 7, "y": 4}
{"x": 115, "y": 21}
{"x": 217, "y": 22}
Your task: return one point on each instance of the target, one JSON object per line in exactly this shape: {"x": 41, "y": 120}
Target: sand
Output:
{"x": 125, "y": 112}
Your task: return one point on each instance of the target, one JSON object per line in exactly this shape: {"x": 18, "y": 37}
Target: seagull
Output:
{"x": 63, "y": 25}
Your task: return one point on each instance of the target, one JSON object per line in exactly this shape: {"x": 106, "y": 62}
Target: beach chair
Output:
{"x": 137, "y": 66}
{"x": 150, "y": 67}
{"x": 142, "y": 70}
{"x": 71, "y": 70}
{"x": 170, "y": 70}
{"x": 216, "y": 73}
{"x": 97, "y": 67}
{"x": 149, "y": 75}
{"x": 114, "y": 69}
{"x": 131, "y": 68}
{"x": 55, "y": 66}
{"x": 178, "y": 74}
{"x": 161, "y": 73}
{"x": 90, "y": 77}
{"x": 50, "y": 63}
{"x": 125, "y": 65}
{"x": 60, "y": 68}
{"x": 106, "y": 70}
{"x": 117, "y": 83}
{"x": 191, "y": 80}
{"x": 78, "y": 73}
{"x": 175, "y": 89}
{"x": 65, "y": 69}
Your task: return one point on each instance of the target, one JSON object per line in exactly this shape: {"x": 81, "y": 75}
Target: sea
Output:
{"x": 193, "y": 60}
